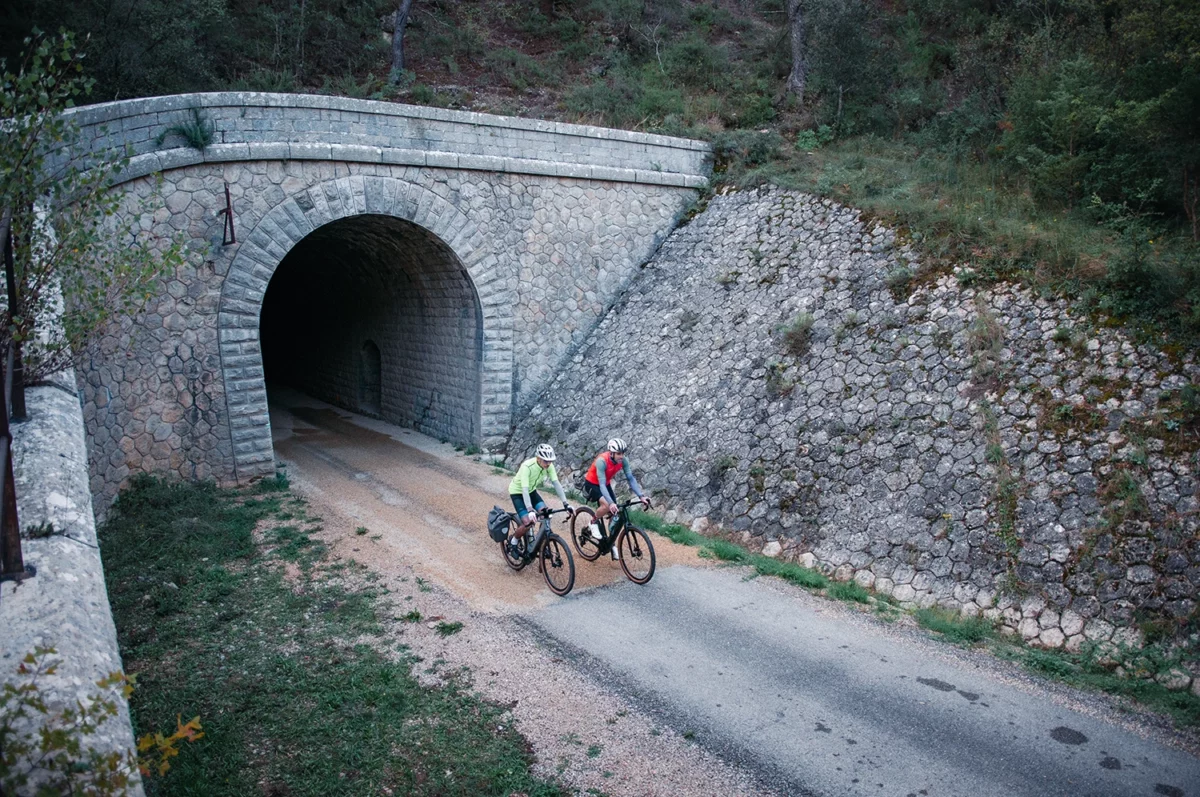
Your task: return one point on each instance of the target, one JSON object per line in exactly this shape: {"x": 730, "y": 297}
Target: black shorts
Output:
{"x": 591, "y": 491}
{"x": 519, "y": 502}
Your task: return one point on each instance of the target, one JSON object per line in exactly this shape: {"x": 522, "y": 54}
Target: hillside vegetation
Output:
{"x": 1052, "y": 141}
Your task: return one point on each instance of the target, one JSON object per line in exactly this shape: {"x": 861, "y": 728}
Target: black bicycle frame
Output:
{"x": 539, "y": 538}
{"x": 621, "y": 523}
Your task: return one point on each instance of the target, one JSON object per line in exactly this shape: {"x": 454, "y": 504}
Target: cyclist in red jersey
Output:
{"x": 599, "y": 478}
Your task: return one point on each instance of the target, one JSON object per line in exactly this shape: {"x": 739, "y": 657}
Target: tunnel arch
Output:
{"x": 376, "y": 315}
{"x": 361, "y": 203}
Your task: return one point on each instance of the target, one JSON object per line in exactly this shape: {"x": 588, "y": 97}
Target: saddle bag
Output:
{"x": 497, "y": 524}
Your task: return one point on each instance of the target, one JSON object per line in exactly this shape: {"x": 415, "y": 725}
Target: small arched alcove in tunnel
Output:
{"x": 377, "y": 315}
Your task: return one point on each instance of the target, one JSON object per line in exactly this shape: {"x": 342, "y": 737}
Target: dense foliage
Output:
{"x": 77, "y": 262}
{"x": 1054, "y": 140}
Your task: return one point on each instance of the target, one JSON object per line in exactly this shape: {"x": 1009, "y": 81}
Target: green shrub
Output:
{"x": 735, "y": 151}
{"x": 814, "y": 139}
{"x": 696, "y": 63}
{"x": 513, "y": 68}
{"x": 629, "y": 97}
{"x": 421, "y": 94}
{"x": 265, "y": 79}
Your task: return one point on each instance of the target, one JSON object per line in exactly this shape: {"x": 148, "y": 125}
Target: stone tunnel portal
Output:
{"x": 377, "y": 315}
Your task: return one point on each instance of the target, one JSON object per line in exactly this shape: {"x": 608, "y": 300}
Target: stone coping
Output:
{"x": 107, "y": 112}
{"x": 263, "y": 126}
{"x": 65, "y": 606}
{"x": 179, "y": 157}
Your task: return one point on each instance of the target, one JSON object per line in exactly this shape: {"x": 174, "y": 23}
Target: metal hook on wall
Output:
{"x": 229, "y": 236}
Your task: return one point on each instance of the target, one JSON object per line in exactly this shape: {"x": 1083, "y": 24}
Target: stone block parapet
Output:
{"x": 536, "y": 227}
{"x": 179, "y": 388}
{"x": 65, "y": 606}
{"x": 252, "y": 126}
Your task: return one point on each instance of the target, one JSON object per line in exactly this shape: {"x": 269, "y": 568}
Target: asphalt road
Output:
{"x": 808, "y": 696}
{"x": 819, "y": 706}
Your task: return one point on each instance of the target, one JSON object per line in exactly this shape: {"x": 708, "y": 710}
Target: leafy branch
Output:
{"x": 81, "y": 256}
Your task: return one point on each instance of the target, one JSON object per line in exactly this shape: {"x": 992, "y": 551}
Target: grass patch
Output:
{"x": 290, "y": 697}
{"x": 797, "y": 336}
{"x": 790, "y": 571}
{"x": 448, "y": 629}
{"x": 727, "y": 551}
{"x": 850, "y": 591}
{"x": 955, "y": 627}
{"x": 1088, "y": 670}
{"x": 672, "y": 531}
{"x": 276, "y": 484}
{"x": 731, "y": 552}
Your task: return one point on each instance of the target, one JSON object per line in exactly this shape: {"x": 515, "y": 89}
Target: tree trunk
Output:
{"x": 1191, "y": 198}
{"x": 401, "y": 22}
{"x": 799, "y": 74}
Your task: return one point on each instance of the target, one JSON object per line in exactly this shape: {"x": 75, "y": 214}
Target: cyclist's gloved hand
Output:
{"x": 530, "y": 518}
{"x": 646, "y": 501}
{"x": 567, "y": 506}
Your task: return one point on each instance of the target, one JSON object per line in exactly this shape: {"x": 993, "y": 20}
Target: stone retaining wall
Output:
{"x": 65, "y": 606}
{"x": 983, "y": 449}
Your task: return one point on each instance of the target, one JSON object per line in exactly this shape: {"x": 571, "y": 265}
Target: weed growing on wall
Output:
{"x": 197, "y": 132}
{"x": 797, "y": 336}
{"x": 1007, "y": 490}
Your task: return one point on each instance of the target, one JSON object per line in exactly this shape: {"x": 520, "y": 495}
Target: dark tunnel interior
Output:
{"x": 377, "y": 315}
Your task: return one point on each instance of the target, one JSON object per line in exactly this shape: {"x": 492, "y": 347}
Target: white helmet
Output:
{"x": 616, "y": 445}
{"x": 546, "y": 451}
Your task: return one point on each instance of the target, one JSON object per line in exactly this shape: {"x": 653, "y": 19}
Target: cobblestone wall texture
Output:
{"x": 546, "y": 221}
{"x": 979, "y": 448}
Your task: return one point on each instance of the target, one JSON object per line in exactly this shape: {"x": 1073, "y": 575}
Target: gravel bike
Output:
{"x": 632, "y": 544}
{"x": 549, "y": 550}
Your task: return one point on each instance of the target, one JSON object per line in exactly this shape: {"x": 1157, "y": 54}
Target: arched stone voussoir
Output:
{"x": 283, "y": 226}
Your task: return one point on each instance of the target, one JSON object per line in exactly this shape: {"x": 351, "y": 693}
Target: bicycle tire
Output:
{"x": 637, "y": 554}
{"x": 558, "y": 566}
{"x": 582, "y": 540}
{"x": 515, "y": 564}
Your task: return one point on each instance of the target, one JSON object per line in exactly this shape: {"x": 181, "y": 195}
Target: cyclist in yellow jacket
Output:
{"x": 523, "y": 492}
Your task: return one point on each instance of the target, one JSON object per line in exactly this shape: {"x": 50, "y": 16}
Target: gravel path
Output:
{"x": 423, "y": 507}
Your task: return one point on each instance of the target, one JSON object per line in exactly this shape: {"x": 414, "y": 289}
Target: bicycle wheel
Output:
{"x": 581, "y": 536}
{"x": 637, "y": 554}
{"x": 558, "y": 566}
{"x": 515, "y": 564}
